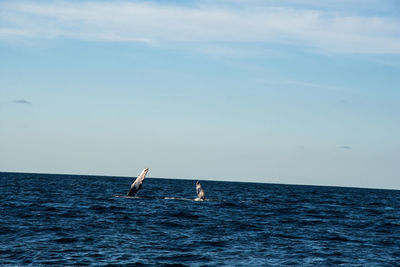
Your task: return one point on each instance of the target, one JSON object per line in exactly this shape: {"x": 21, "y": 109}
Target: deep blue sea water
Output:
{"x": 77, "y": 220}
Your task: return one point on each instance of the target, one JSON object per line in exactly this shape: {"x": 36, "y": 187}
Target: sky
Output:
{"x": 290, "y": 91}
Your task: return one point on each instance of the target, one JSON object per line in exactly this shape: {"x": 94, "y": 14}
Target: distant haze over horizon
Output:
{"x": 292, "y": 92}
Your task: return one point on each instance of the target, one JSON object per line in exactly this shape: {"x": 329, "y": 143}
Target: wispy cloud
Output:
{"x": 22, "y": 101}
{"x": 345, "y": 147}
{"x": 202, "y": 22}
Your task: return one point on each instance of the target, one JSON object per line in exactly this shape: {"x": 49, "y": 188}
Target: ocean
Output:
{"x": 55, "y": 220}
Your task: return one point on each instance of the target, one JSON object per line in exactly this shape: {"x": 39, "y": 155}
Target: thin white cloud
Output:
{"x": 208, "y": 22}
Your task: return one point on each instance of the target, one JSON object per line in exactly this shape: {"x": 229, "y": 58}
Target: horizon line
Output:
{"x": 211, "y": 180}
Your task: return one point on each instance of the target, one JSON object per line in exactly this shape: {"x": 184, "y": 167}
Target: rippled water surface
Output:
{"x": 79, "y": 220}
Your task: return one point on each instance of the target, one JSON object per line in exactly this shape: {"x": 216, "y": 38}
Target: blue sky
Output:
{"x": 302, "y": 92}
